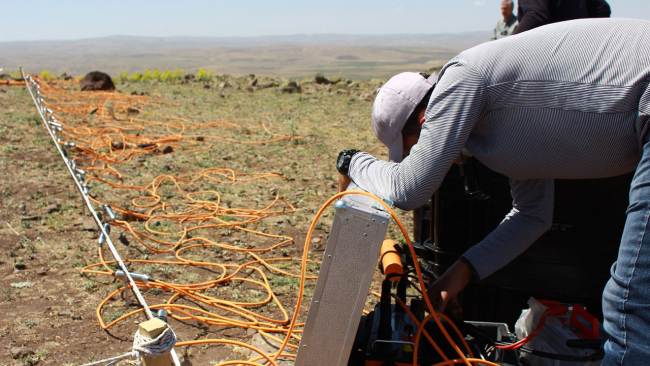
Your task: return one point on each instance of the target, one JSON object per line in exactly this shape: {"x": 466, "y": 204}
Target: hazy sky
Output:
{"x": 76, "y": 19}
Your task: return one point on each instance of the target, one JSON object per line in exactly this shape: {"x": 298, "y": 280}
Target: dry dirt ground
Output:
{"x": 48, "y": 305}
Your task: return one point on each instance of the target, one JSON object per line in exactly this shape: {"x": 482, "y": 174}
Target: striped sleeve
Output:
{"x": 455, "y": 106}
{"x": 530, "y": 217}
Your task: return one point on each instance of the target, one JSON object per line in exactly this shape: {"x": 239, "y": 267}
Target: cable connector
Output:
{"x": 162, "y": 315}
{"x": 109, "y": 212}
{"x": 140, "y": 277}
{"x": 102, "y": 237}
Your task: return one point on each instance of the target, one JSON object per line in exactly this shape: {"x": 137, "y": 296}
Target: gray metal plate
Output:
{"x": 343, "y": 283}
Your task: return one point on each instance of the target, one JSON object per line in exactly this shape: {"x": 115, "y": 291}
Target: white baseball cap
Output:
{"x": 395, "y": 102}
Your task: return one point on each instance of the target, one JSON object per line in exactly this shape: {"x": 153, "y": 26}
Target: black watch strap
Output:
{"x": 343, "y": 161}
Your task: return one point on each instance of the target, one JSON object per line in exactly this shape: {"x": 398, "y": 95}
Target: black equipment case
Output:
{"x": 569, "y": 263}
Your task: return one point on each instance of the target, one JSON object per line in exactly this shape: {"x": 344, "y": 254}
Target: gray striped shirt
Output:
{"x": 563, "y": 101}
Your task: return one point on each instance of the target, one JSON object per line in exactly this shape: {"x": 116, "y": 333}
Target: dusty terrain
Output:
{"x": 49, "y": 305}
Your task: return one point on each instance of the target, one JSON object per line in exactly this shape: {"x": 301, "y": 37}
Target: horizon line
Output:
{"x": 254, "y": 37}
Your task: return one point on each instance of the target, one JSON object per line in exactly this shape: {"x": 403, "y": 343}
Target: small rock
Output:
{"x": 30, "y": 218}
{"x": 66, "y": 313}
{"x": 227, "y": 259}
{"x": 206, "y": 86}
{"x": 20, "y": 285}
{"x": 117, "y": 145}
{"x": 53, "y": 208}
{"x": 200, "y": 138}
{"x": 131, "y": 216}
{"x": 18, "y": 352}
{"x": 268, "y": 346}
{"x": 42, "y": 272}
{"x": 168, "y": 150}
{"x": 291, "y": 87}
{"x": 132, "y": 112}
{"x": 227, "y": 158}
{"x": 22, "y": 207}
{"x": 316, "y": 240}
{"x": 122, "y": 239}
{"x": 89, "y": 224}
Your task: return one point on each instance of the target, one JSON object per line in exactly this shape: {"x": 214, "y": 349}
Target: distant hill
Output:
{"x": 355, "y": 56}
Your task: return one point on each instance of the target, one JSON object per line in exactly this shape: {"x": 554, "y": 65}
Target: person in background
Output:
{"x": 508, "y": 24}
{"x": 534, "y": 13}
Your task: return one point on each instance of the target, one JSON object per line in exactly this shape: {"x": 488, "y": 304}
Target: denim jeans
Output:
{"x": 626, "y": 299}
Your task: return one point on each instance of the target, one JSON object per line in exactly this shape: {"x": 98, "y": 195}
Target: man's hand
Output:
{"x": 443, "y": 292}
{"x": 344, "y": 182}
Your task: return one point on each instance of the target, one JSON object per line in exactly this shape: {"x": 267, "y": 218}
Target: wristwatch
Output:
{"x": 343, "y": 162}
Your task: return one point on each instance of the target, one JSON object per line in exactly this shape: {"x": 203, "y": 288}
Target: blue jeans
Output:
{"x": 626, "y": 299}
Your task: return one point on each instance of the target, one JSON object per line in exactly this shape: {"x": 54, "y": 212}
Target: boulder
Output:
{"x": 96, "y": 80}
{"x": 319, "y": 78}
{"x": 291, "y": 87}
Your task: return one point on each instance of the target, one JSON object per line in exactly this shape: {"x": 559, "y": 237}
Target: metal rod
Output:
{"x": 83, "y": 190}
